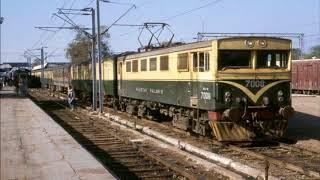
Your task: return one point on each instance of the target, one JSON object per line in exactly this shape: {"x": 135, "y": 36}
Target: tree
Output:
{"x": 315, "y": 52}
{"x": 79, "y": 50}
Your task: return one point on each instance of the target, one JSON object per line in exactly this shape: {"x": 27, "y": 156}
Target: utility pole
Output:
{"x": 29, "y": 63}
{"x": 42, "y": 64}
{"x": 29, "y": 52}
{"x": 99, "y": 47}
{"x": 94, "y": 87}
{"x": 1, "y": 21}
{"x": 91, "y": 36}
{"x": 99, "y": 58}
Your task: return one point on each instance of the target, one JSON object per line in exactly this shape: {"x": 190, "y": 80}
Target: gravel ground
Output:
{"x": 304, "y": 126}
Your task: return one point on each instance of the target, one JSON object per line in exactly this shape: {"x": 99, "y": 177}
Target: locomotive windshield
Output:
{"x": 272, "y": 59}
{"x": 237, "y": 59}
{"x": 234, "y": 59}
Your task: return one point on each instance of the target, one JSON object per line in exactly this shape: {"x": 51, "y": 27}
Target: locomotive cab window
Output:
{"x": 201, "y": 61}
{"x": 153, "y": 64}
{"x": 164, "y": 63}
{"x": 143, "y": 65}
{"x": 128, "y": 66}
{"x": 272, "y": 59}
{"x": 234, "y": 59}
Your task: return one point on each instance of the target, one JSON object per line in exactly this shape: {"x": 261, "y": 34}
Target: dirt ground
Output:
{"x": 304, "y": 126}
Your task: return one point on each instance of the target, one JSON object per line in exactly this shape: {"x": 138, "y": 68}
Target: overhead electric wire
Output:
{"x": 177, "y": 15}
{"x": 129, "y": 25}
{"x": 52, "y": 36}
{"x": 43, "y": 33}
{"x": 119, "y": 3}
{"x": 64, "y": 23}
{"x": 191, "y": 10}
{"x": 125, "y": 13}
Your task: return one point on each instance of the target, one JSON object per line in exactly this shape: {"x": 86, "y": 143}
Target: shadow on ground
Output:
{"x": 303, "y": 126}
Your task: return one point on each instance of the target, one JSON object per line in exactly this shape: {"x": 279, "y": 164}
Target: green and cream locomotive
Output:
{"x": 239, "y": 87}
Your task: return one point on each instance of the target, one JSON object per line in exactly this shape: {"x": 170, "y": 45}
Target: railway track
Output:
{"x": 276, "y": 158}
{"x": 127, "y": 160}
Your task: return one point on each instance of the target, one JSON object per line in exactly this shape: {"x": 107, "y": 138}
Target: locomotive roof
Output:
{"x": 184, "y": 47}
{"x": 165, "y": 50}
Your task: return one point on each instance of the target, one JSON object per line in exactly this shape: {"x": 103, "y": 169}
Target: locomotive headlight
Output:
{"x": 265, "y": 100}
{"x": 227, "y": 94}
{"x": 249, "y": 43}
{"x": 280, "y": 96}
{"x": 227, "y": 97}
{"x": 280, "y": 99}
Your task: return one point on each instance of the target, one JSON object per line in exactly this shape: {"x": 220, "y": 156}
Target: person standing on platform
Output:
{"x": 16, "y": 84}
{"x": 71, "y": 98}
{"x": 24, "y": 88}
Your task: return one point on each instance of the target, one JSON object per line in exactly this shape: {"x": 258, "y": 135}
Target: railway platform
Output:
{"x": 34, "y": 146}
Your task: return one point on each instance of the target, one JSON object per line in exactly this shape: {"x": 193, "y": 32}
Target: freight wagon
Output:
{"x": 306, "y": 76}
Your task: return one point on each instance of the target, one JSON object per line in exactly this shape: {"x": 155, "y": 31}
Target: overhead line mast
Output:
{"x": 99, "y": 45}
{"x": 91, "y": 36}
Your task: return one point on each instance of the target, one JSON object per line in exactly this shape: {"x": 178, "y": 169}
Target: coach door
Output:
{"x": 120, "y": 77}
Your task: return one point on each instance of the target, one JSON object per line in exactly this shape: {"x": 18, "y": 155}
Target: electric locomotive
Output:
{"x": 238, "y": 88}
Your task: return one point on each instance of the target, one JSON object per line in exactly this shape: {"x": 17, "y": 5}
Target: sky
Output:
{"x": 185, "y": 17}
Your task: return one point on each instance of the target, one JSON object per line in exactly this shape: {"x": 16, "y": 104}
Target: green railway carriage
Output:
{"x": 61, "y": 77}
{"x": 237, "y": 87}
{"x": 56, "y": 78}
{"x": 108, "y": 74}
{"x": 36, "y": 73}
{"x": 81, "y": 77}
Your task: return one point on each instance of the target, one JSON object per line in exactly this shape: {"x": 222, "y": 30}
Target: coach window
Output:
{"x": 183, "y": 64}
{"x": 201, "y": 61}
{"x": 143, "y": 65}
{"x": 153, "y": 64}
{"x": 164, "y": 63}
{"x": 135, "y": 66}
{"x": 128, "y": 66}
{"x": 272, "y": 59}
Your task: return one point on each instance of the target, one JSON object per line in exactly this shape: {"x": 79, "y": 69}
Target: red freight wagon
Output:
{"x": 306, "y": 76}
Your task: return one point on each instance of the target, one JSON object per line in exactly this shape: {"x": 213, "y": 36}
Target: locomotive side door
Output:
{"x": 194, "y": 85}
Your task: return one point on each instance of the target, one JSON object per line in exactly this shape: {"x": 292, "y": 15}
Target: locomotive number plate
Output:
{"x": 255, "y": 83}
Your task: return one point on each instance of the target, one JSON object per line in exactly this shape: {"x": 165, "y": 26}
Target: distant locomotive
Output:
{"x": 306, "y": 76}
{"x": 238, "y": 88}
